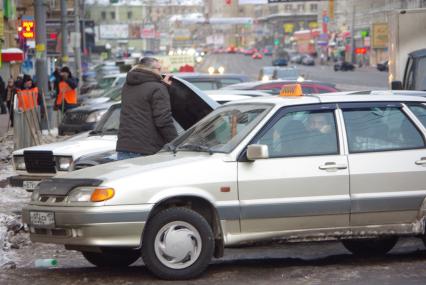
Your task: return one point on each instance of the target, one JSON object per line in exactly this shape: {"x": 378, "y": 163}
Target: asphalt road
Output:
{"x": 365, "y": 78}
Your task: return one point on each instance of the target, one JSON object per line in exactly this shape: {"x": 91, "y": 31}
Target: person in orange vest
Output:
{"x": 28, "y": 95}
{"x": 67, "y": 93}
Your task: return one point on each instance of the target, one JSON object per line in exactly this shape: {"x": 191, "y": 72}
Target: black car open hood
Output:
{"x": 189, "y": 104}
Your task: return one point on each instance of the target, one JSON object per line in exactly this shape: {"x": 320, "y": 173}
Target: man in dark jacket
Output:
{"x": 146, "y": 122}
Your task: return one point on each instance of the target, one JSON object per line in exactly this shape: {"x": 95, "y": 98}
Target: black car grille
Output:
{"x": 75, "y": 117}
{"x": 39, "y": 162}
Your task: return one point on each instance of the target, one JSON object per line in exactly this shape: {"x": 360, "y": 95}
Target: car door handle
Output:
{"x": 332, "y": 166}
{"x": 422, "y": 161}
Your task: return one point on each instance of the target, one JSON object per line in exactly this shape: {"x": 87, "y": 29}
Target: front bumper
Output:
{"x": 71, "y": 129}
{"x": 18, "y": 180}
{"x": 95, "y": 226}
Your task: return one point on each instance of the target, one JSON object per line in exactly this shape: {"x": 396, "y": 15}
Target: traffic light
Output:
{"x": 277, "y": 42}
{"x": 228, "y": 2}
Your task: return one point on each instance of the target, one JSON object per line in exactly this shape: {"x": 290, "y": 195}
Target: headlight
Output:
{"x": 63, "y": 163}
{"x": 198, "y": 59}
{"x": 19, "y": 162}
{"x": 35, "y": 195}
{"x": 95, "y": 116}
{"x": 265, "y": 78}
{"x": 91, "y": 194}
{"x": 211, "y": 70}
{"x": 221, "y": 69}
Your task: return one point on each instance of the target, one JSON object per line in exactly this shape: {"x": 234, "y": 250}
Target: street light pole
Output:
{"x": 40, "y": 36}
{"x": 77, "y": 39}
{"x": 64, "y": 33}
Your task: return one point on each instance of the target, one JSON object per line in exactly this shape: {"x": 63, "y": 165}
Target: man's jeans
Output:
{"x": 122, "y": 155}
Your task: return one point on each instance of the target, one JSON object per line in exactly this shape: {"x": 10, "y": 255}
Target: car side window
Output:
{"x": 420, "y": 112}
{"x": 229, "y": 81}
{"x": 380, "y": 129}
{"x": 302, "y": 133}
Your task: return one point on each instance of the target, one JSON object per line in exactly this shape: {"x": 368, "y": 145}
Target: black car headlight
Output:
{"x": 19, "y": 162}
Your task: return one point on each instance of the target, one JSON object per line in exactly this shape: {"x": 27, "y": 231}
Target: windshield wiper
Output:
{"x": 195, "y": 147}
{"x": 171, "y": 147}
{"x": 95, "y": 132}
{"x": 111, "y": 130}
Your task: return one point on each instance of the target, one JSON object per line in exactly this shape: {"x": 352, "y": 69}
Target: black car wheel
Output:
{"x": 368, "y": 247}
{"x": 113, "y": 258}
{"x": 178, "y": 243}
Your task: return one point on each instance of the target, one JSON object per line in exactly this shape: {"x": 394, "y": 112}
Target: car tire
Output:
{"x": 115, "y": 258}
{"x": 194, "y": 236}
{"x": 368, "y": 247}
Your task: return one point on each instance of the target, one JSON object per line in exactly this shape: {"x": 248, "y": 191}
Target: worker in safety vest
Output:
{"x": 28, "y": 97}
{"x": 67, "y": 93}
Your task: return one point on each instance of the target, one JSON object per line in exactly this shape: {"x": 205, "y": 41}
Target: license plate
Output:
{"x": 30, "y": 185}
{"x": 45, "y": 219}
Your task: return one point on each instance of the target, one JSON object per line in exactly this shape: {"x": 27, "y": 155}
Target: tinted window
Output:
{"x": 229, "y": 81}
{"x": 302, "y": 133}
{"x": 420, "y": 112}
{"x": 308, "y": 90}
{"x": 205, "y": 85}
{"x": 421, "y": 74}
{"x": 380, "y": 129}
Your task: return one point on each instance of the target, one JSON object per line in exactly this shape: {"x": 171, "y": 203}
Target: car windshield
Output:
{"x": 222, "y": 130}
{"x": 106, "y": 82}
{"x": 289, "y": 73}
{"x": 109, "y": 123}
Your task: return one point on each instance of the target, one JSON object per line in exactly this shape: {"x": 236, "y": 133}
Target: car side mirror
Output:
{"x": 257, "y": 151}
{"x": 396, "y": 85}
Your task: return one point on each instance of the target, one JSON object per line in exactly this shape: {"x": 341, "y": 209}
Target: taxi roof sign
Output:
{"x": 291, "y": 90}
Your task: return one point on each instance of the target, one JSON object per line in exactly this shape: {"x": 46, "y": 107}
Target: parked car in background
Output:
{"x": 265, "y": 73}
{"x": 286, "y": 73}
{"x": 280, "y": 62}
{"x": 274, "y": 86}
{"x": 250, "y": 51}
{"x": 257, "y": 55}
{"x": 344, "y": 66}
{"x": 307, "y": 168}
{"x": 268, "y": 50}
{"x": 33, "y": 164}
{"x": 383, "y": 66}
{"x": 308, "y": 60}
{"x": 205, "y": 81}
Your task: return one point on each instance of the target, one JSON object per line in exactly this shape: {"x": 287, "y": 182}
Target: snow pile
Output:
{"x": 13, "y": 234}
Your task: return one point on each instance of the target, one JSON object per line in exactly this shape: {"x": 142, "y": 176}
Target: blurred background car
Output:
{"x": 257, "y": 55}
{"x": 344, "y": 66}
{"x": 286, "y": 73}
{"x": 383, "y": 66}
{"x": 308, "y": 60}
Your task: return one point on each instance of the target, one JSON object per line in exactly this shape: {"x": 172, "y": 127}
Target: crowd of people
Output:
{"x": 62, "y": 87}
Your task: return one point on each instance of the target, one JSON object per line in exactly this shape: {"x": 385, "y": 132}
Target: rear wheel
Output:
{"x": 367, "y": 247}
{"x": 178, "y": 243}
{"x": 115, "y": 258}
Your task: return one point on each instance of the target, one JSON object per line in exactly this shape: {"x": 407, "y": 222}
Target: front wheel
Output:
{"x": 367, "y": 247}
{"x": 178, "y": 243}
{"x": 114, "y": 258}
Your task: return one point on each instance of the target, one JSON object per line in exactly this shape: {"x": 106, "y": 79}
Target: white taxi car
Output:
{"x": 347, "y": 167}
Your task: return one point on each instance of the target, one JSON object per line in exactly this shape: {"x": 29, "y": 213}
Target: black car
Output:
{"x": 82, "y": 119}
{"x": 280, "y": 62}
{"x": 344, "y": 66}
{"x": 383, "y": 66}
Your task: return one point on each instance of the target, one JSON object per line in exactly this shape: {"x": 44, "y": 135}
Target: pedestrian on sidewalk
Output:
{"x": 2, "y": 96}
{"x": 146, "y": 122}
{"x": 10, "y": 92}
{"x": 67, "y": 91}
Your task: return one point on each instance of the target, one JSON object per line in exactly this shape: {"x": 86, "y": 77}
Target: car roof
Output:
{"x": 225, "y": 92}
{"x": 184, "y": 75}
{"x": 335, "y": 97}
{"x": 253, "y": 84}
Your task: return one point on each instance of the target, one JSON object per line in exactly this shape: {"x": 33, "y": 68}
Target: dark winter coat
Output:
{"x": 146, "y": 123}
